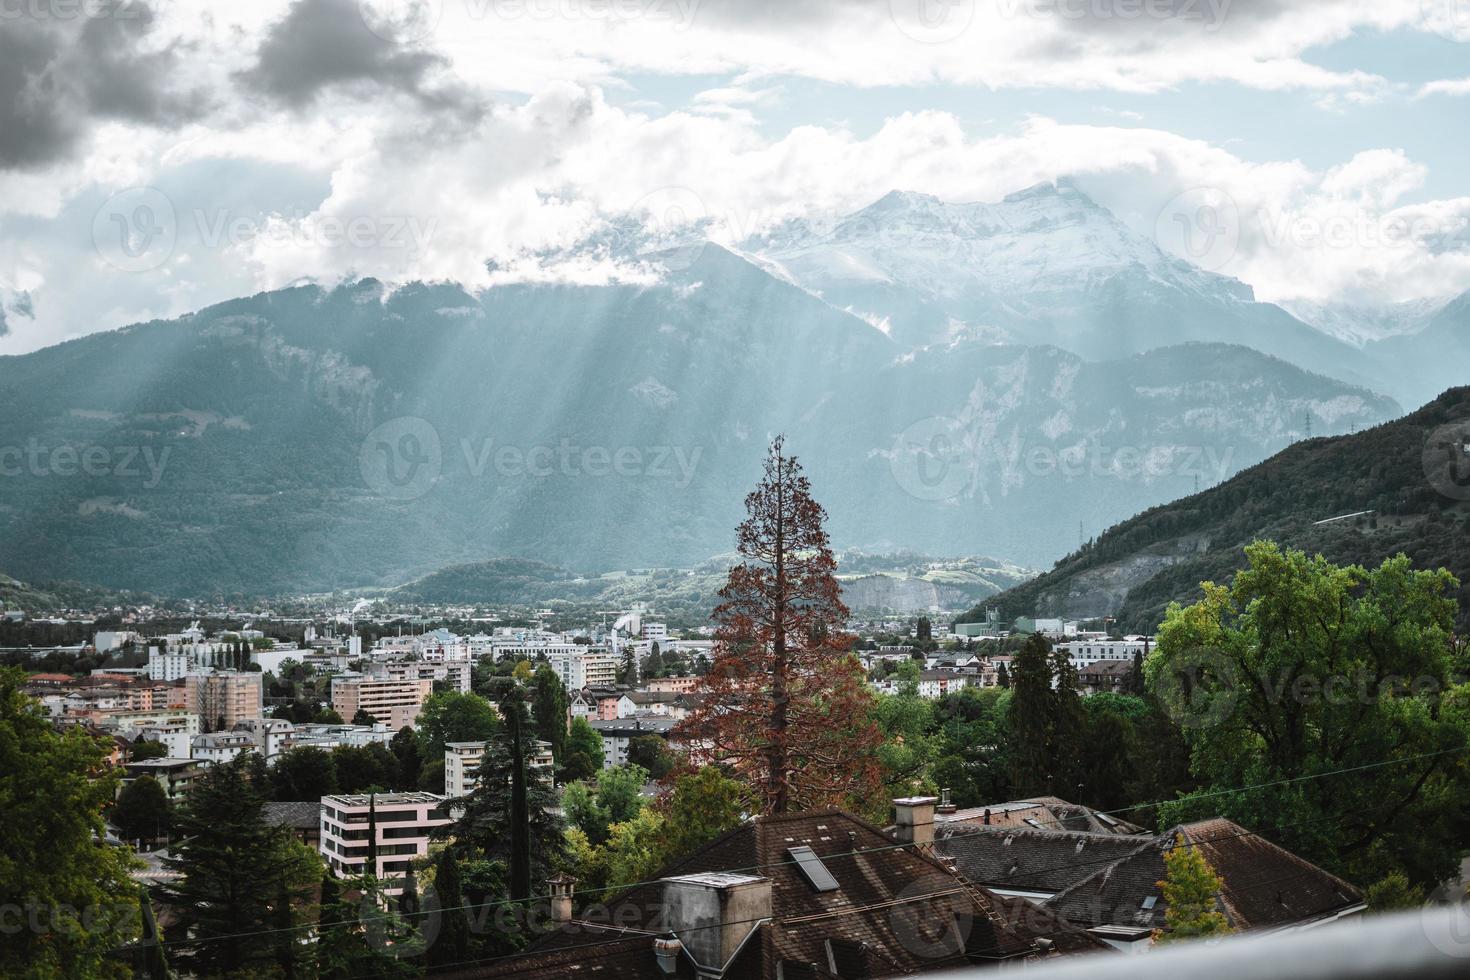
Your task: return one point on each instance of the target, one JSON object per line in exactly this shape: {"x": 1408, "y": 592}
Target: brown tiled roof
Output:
{"x": 1024, "y": 859}
{"x": 1050, "y": 812}
{"x": 298, "y": 815}
{"x": 897, "y": 905}
{"x": 1263, "y": 886}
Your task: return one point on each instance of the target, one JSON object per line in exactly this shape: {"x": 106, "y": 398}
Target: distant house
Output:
{"x": 618, "y": 734}
{"x": 1105, "y": 675}
{"x": 217, "y": 747}
{"x": 817, "y": 895}
{"x": 303, "y": 819}
{"x": 1108, "y": 884}
{"x": 176, "y": 775}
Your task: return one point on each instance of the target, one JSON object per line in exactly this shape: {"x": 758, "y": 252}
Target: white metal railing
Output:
{"x": 1427, "y": 944}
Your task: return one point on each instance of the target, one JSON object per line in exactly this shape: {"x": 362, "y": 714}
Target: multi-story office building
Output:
{"x": 404, "y": 823}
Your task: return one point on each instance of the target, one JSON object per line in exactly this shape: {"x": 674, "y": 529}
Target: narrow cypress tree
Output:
{"x": 372, "y": 842}
{"x": 452, "y": 941}
{"x": 520, "y": 817}
{"x": 1031, "y": 711}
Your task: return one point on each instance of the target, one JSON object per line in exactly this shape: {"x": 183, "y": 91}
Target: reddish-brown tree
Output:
{"x": 786, "y": 707}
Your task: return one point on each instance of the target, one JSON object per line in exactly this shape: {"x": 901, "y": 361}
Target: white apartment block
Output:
{"x": 170, "y": 665}
{"x": 217, "y": 747}
{"x": 391, "y": 702}
{"x": 1085, "y": 652}
{"x": 617, "y": 735}
{"x": 176, "y": 738}
{"x": 329, "y": 737}
{"x": 585, "y": 666}
{"x": 462, "y": 759}
{"x": 130, "y": 724}
{"x": 656, "y": 633}
{"x": 404, "y": 824}
{"x": 271, "y": 736}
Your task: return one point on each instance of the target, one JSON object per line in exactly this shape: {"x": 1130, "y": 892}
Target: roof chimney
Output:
{"x": 987, "y": 816}
{"x": 666, "y": 950}
{"x": 713, "y": 914}
{"x": 560, "y": 888}
{"x": 945, "y": 806}
{"x": 915, "y": 819}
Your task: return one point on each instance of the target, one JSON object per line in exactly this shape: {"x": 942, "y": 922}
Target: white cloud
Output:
{"x": 376, "y": 181}
{"x": 1446, "y": 86}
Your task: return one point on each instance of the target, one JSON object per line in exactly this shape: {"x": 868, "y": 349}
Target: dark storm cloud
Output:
{"x": 33, "y": 128}
{"x": 324, "y": 43}
{"x": 64, "y": 66}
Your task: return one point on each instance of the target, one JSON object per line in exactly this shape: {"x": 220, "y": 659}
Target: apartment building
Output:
{"x": 455, "y": 672}
{"x": 671, "y": 685}
{"x": 404, "y": 823}
{"x": 223, "y": 699}
{"x": 1085, "y": 652}
{"x": 394, "y": 702}
{"x": 462, "y": 759}
{"x": 217, "y": 747}
{"x": 618, "y": 735}
{"x": 585, "y": 667}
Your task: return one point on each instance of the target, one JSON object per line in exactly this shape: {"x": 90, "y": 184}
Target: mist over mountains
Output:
{"x": 958, "y": 379}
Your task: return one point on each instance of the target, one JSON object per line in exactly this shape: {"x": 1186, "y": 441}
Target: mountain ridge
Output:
{"x": 1135, "y": 568}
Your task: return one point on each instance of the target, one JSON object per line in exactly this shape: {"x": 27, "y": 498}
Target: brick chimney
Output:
{"x": 713, "y": 914}
{"x": 914, "y": 816}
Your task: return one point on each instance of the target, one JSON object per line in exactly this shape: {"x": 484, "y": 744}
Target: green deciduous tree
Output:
{"x": 454, "y": 716}
{"x": 701, "y": 806}
{"x": 144, "y": 749}
{"x": 651, "y": 753}
{"x": 1190, "y": 886}
{"x": 1329, "y": 683}
{"x": 361, "y": 768}
{"x": 52, "y": 794}
{"x": 143, "y": 810}
{"x": 304, "y": 773}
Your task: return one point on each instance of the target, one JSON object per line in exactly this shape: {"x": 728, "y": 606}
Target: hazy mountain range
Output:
{"x": 1408, "y": 482}
{"x": 958, "y": 379}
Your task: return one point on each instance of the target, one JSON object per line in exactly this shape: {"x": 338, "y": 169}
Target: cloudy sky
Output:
{"x": 159, "y": 156}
